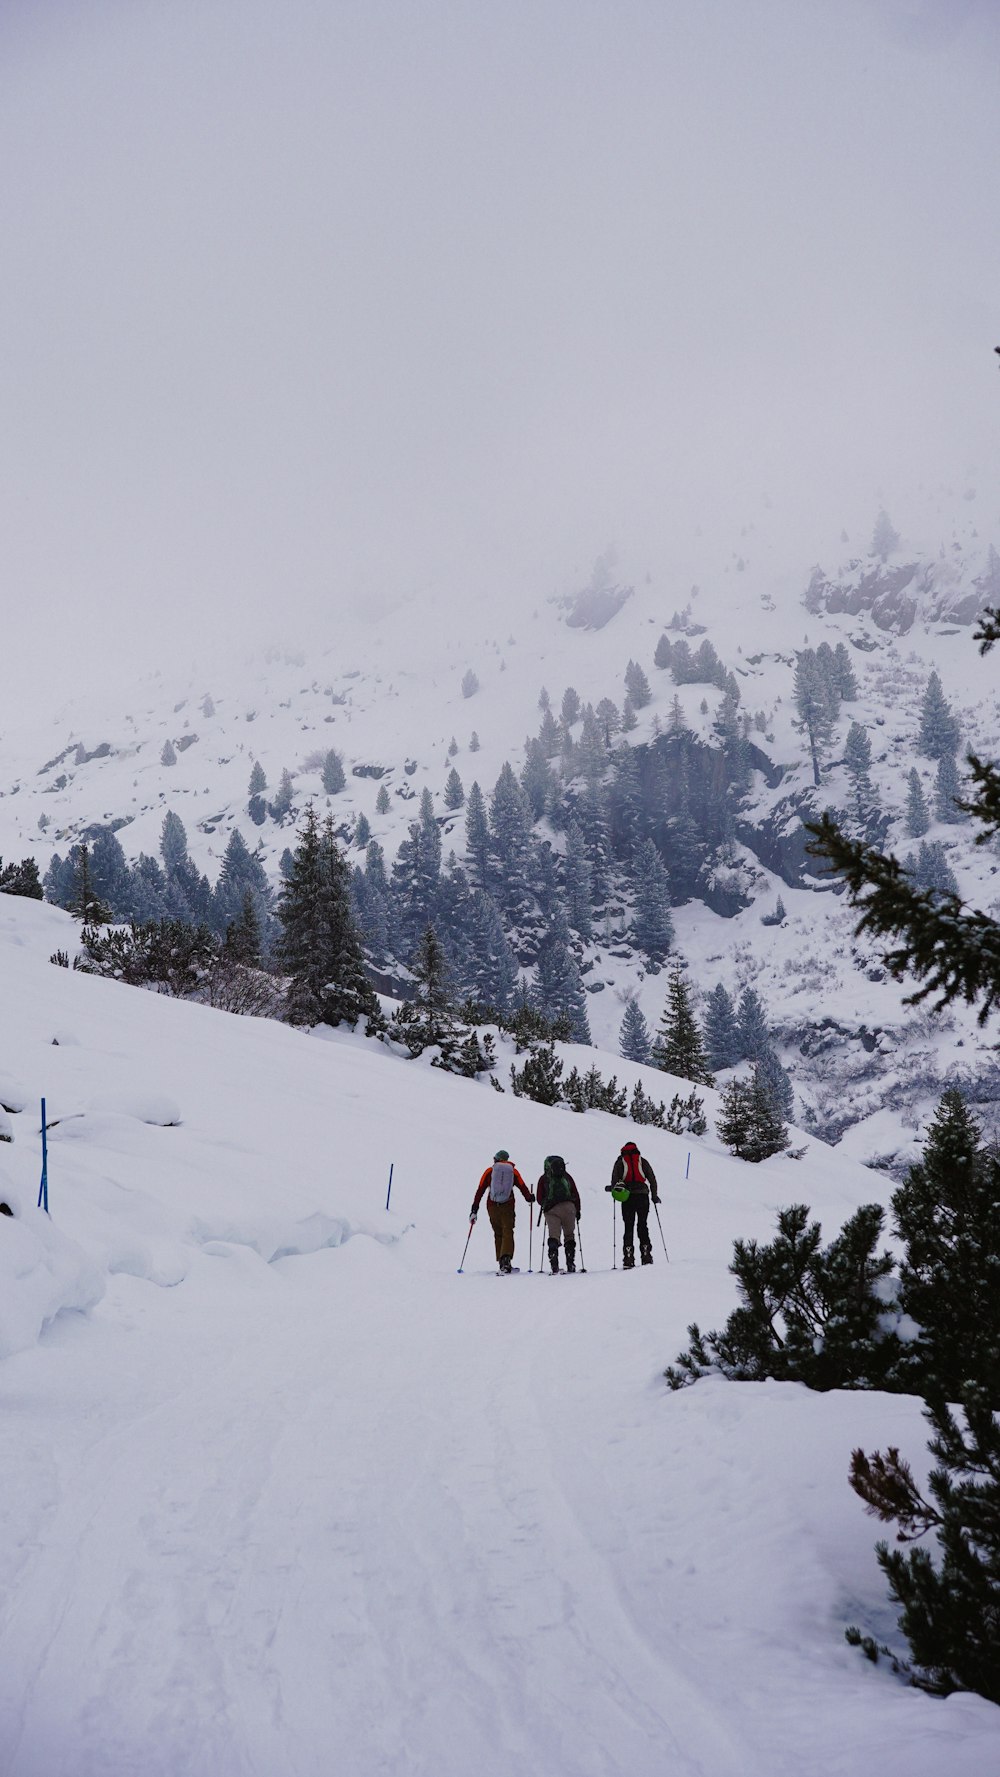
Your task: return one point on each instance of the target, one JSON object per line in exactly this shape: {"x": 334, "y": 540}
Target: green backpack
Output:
{"x": 557, "y": 1186}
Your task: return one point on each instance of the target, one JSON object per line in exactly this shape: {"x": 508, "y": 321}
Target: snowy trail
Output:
{"x": 349, "y": 1512}
{"x": 390, "y": 1575}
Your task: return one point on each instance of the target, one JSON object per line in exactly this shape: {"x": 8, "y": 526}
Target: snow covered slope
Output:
{"x": 293, "y": 1497}
{"x": 388, "y": 695}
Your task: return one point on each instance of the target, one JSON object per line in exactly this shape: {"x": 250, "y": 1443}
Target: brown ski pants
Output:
{"x": 502, "y": 1222}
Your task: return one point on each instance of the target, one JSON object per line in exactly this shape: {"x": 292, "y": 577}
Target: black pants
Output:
{"x": 635, "y": 1213}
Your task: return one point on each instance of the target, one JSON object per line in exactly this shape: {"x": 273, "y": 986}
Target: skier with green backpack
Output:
{"x": 632, "y": 1181}
{"x": 559, "y": 1202}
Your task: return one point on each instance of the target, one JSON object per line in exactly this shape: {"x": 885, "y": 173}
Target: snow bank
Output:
{"x": 42, "y": 1272}
{"x": 145, "y": 1107}
{"x": 13, "y": 1096}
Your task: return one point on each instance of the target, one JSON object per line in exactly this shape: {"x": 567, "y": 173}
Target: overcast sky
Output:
{"x": 311, "y": 302}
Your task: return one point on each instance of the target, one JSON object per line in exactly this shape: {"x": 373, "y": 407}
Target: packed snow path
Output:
{"x": 325, "y": 1523}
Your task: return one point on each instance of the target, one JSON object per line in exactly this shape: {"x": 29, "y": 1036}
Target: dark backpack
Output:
{"x": 557, "y": 1186}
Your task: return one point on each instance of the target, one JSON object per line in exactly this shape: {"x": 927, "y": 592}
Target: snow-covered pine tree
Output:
{"x": 885, "y": 540}
{"x": 637, "y": 686}
{"x": 173, "y": 842}
{"x": 382, "y": 800}
{"x": 813, "y": 703}
{"x": 110, "y": 876}
{"x": 722, "y": 1037}
{"x": 633, "y": 1038}
{"x": 281, "y": 807}
{"x": 452, "y": 747}
{"x": 917, "y": 814}
{"x": 416, "y": 874}
{"x": 477, "y": 839}
{"x": 570, "y": 706}
{"x": 733, "y": 1126}
{"x": 510, "y": 844}
{"x": 362, "y": 831}
{"x": 679, "y": 1048}
{"x": 473, "y": 742}
{"x": 777, "y": 1082}
{"x": 242, "y": 941}
{"x": 537, "y": 778}
{"x": 168, "y": 755}
{"x": 609, "y": 717}
{"x": 558, "y": 991}
{"x": 767, "y": 1132}
{"x": 454, "y": 794}
{"x": 258, "y": 779}
{"x": 577, "y": 882}
{"x": 663, "y": 652}
{"x": 947, "y": 1214}
{"x": 491, "y": 967}
{"x": 939, "y": 732}
{"x": 548, "y": 735}
{"x": 207, "y": 706}
{"x": 651, "y": 928}
{"x": 470, "y": 683}
{"x": 846, "y": 683}
{"x": 947, "y": 791}
{"x": 332, "y": 775}
{"x": 319, "y": 947}
{"x": 858, "y": 763}
{"x": 751, "y": 1024}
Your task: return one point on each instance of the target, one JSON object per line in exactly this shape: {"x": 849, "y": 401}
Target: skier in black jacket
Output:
{"x": 632, "y": 1181}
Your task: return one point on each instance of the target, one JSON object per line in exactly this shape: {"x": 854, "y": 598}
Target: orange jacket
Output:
{"x": 484, "y": 1185}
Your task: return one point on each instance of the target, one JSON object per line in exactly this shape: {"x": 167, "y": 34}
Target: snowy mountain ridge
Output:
{"x": 389, "y": 698}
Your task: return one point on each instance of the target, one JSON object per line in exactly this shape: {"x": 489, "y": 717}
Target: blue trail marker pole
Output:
{"x": 43, "y": 1189}
{"x": 389, "y": 1191}
{"x": 687, "y": 1169}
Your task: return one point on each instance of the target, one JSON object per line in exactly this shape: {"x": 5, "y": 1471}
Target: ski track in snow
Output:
{"x": 295, "y": 1499}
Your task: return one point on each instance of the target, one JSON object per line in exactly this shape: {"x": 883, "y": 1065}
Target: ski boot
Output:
{"x": 553, "y": 1255}
{"x": 646, "y": 1254}
{"x": 571, "y": 1255}
{"x": 628, "y": 1258}
{"x": 505, "y": 1266}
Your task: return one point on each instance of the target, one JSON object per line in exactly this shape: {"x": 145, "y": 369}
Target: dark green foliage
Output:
{"x": 169, "y": 955}
{"x": 847, "y": 684}
{"x": 539, "y": 1077}
{"x": 686, "y": 1116}
{"x": 777, "y": 1083}
{"x": 258, "y": 779}
{"x": 281, "y": 807}
{"x": 939, "y": 732}
{"x": 751, "y": 1024}
{"x": 21, "y": 879}
{"x": 242, "y": 942}
{"x": 416, "y": 873}
{"x": 948, "y": 791}
{"x": 751, "y": 1124}
{"x": 382, "y": 800}
{"x": 454, "y": 795}
{"x": 558, "y": 991}
{"x": 570, "y": 708}
{"x": 807, "y": 1313}
{"x": 952, "y": 950}
{"x": 949, "y": 1606}
{"x": 651, "y": 928}
{"x": 578, "y": 882}
{"x": 362, "y": 831}
{"x": 509, "y": 844}
{"x": 332, "y": 775}
{"x": 930, "y": 869}
{"x": 319, "y": 948}
{"x": 491, "y": 968}
{"x": 241, "y": 873}
{"x": 637, "y": 686}
{"x": 679, "y": 1048}
{"x": 86, "y": 903}
{"x": 917, "y": 814}
{"x": 429, "y": 1019}
{"x": 857, "y": 763}
{"x": 722, "y": 1035}
{"x": 643, "y": 1109}
{"x": 816, "y": 700}
{"x": 591, "y": 1092}
{"x": 947, "y": 1214}
{"x": 633, "y": 1038}
{"x": 173, "y": 842}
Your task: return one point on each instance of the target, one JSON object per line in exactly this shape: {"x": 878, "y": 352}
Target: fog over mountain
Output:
{"x": 312, "y": 307}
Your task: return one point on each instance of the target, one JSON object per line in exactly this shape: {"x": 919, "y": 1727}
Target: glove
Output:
{"x": 472, "y": 1215}
{"x": 656, "y": 1200}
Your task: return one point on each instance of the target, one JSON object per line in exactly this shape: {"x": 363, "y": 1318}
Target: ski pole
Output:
{"x": 659, "y": 1224}
{"x": 579, "y": 1242}
{"x": 472, "y": 1223}
{"x": 614, "y": 1236}
{"x": 541, "y": 1262}
{"x": 531, "y": 1237}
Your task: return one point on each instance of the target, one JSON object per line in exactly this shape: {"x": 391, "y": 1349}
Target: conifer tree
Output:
{"x": 454, "y": 795}
{"x": 722, "y": 1038}
{"x": 949, "y": 1609}
{"x": 491, "y": 967}
{"x": 633, "y": 1038}
{"x": 679, "y": 1048}
{"x": 537, "y": 778}
{"x": 629, "y": 717}
{"x": 813, "y": 703}
{"x": 434, "y": 1022}
{"x": 939, "y": 732}
{"x": 168, "y": 755}
{"x": 846, "y": 683}
{"x": 416, "y": 873}
{"x": 544, "y": 700}
{"x": 558, "y": 991}
{"x": 242, "y": 942}
{"x": 917, "y": 816}
{"x": 473, "y": 742}
{"x": 382, "y": 800}
{"x": 470, "y": 683}
{"x": 948, "y": 791}
{"x": 509, "y": 840}
{"x": 477, "y": 839}
{"x": 86, "y": 903}
{"x": 173, "y": 842}
{"x": 452, "y": 747}
{"x": 777, "y": 1083}
{"x": 332, "y": 776}
{"x": 570, "y": 708}
{"x": 884, "y": 539}
{"x": 319, "y": 947}
{"x": 751, "y": 1021}
{"x": 733, "y": 1126}
{"x": 857, "y": 763}
{"x": 609, "y": 719}
{"x": 362, "y": 831}
{"x": 637, "y": 686}
{"x": 947, "y": 1214}
{"x": 207, "y": 706}
{"x": 663, "y": 652}
{"x": 651, "y": 928}
{"x": 548, "y": 735}
{"x": 258, "y": 779}
{"x": 281, "y": 807}
{"x": 577, "y": 882}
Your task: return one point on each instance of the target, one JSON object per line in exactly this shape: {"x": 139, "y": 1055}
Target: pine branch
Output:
{"x": 953, "y": 950}
{"x": 989, "y": 625}
{"x": 886, "y": 1485}
{"x": 984, "y": 805}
